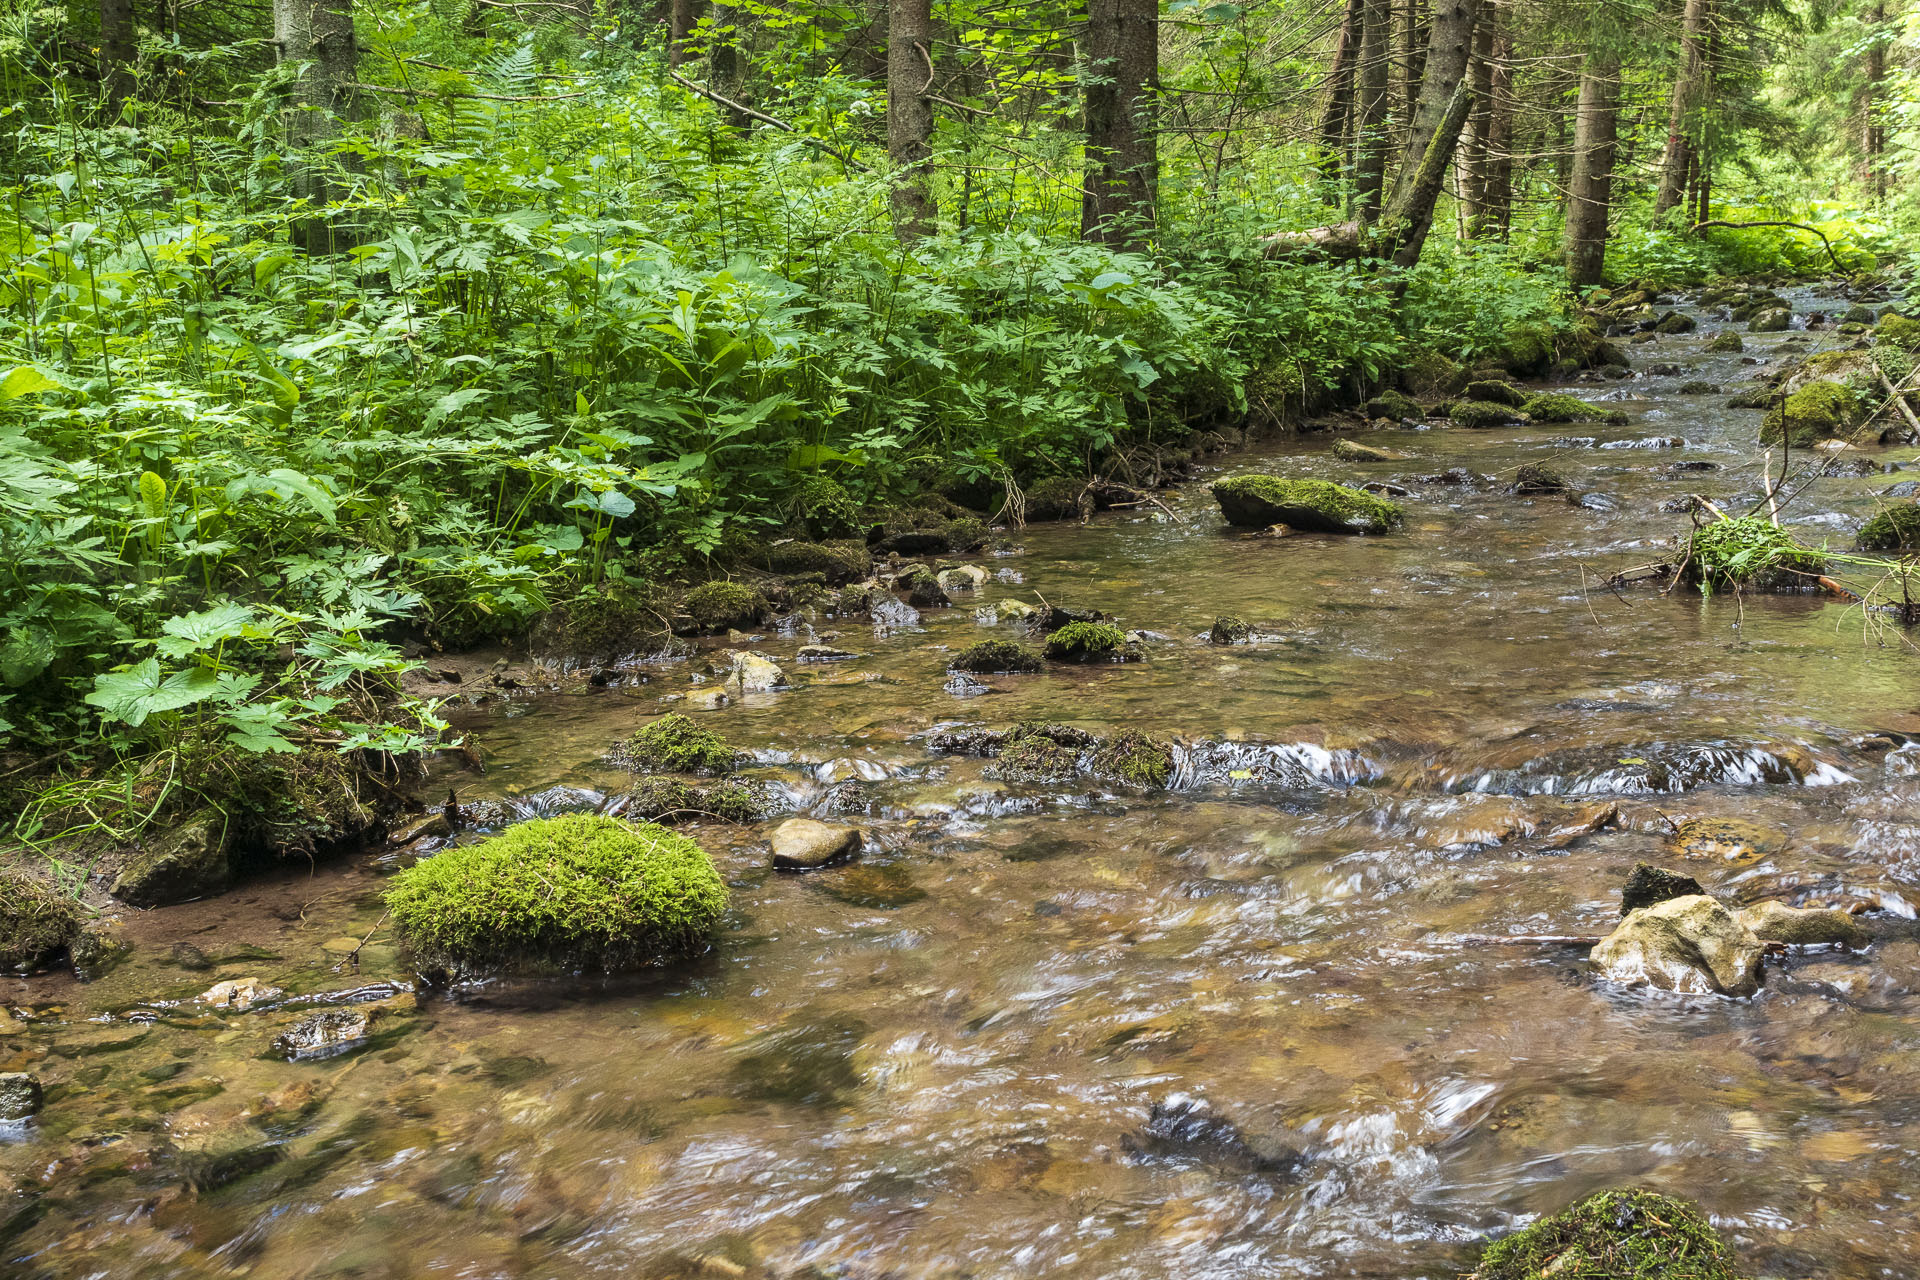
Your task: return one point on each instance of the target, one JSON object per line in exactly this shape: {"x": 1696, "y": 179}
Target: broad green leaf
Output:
{"x": 130, "y": 696}
{"x": 25, "y": 381}
{"x": 197, "y": 632}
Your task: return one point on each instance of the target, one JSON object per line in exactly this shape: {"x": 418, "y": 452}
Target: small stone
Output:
{"x": 1691, "y": 944}
{"x": 1778, "y": 922}
{"x": 434, "y": 824}
{"x": 1647, "y": 885}
{"x": 100, "y": 946}
{"x": 1229, "y": 631}
{"x": 1354, "y": 451}
{"x": 752, "y": 673}
{"x": 961, "y": 685}
{"x": 239, "y": 993}
{"x": 20, "y": 1095}
{"x": 966, "y": 577}
{"x": 328, "y": 1033}
{"x": 1013, "y": 610}
{"x": 804, "y": 844}
{"x": 822, "y": 653}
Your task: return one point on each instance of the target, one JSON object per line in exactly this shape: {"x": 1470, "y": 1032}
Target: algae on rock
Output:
{"x": 719, "y": 606}
{"x": 1319, "y": 505}
{"x": 1623, "y": 1234}
{"x": 1817, "y": 411}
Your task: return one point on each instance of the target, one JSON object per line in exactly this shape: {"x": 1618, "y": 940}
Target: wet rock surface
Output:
{"x": 804, "y": 844}
{"x": 1691, "y": 944}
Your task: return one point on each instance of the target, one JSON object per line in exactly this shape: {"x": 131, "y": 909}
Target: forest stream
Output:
{"x": 944, "y": 1058}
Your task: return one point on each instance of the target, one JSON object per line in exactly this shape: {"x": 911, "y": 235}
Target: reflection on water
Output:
{"x": 943, "y": 1060}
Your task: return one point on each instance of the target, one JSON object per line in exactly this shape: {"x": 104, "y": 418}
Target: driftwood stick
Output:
{"x": 1721, "y": 222}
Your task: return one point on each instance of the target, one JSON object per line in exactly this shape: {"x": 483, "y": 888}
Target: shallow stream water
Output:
{"x": 935, "y": 1062}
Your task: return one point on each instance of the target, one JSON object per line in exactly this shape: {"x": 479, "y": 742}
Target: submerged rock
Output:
{"x": 188, "y": 862}
{"x": 329, "y": 1033}
{"x": 239, "y": 993}
{"x": 1258, "y": 501}
{"x": 1722, "y": 839}
{"x": 804, "y": 844}
{"x": 1648, "y": 885}
{"x": 1613, "y": 1235}
{"x": 1691, "y": 944}
{"x": 20, "y": 1095}
{"x": 1227, "y": 631}
{"x": 1182, "y": 1128}
{"x": 961, "y": 685}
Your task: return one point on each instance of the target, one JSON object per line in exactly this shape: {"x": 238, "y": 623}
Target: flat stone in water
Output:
{"x": 877, "y": 887}
{"x": 804, "y": 844}
{"x": 810, "y": 1065}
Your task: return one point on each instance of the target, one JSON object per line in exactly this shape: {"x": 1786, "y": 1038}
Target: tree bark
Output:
{"x": 1473, "y": 147}
{"x": 1688, "y": 88}
{"x": 1370, "y": 138}
{"x": 1340, "y": 82}
{"x": 1874, "y": 141}
{"x": 910, "y": 114}
{"x": 116, "y": 49}
{"x": 1499, "y": 194}
{"x": 1449, "y": 46}
{"x": 1590, "y": 190}
{"x": 681, "y": 17}
{"x": 1123, "y": 74}
{"x": 1414, "y": 34}
{"x": 1409, "y": 214}
{"x": 318, "y": 34}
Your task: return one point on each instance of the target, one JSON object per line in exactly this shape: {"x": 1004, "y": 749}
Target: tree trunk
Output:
{"x": 1409, "y": 214}
{"x": 1875, "y": 140}
{"x": 1688, "y": 89}
{"x": 1370, "y": 139}
{"x": 318, "y": 33}
{"x": 1413, "y": 56}
{"x": 116, "y": 49}
{"x": 1340, "y": 82}
{"x": 681, "y": 16}
{"x": 1123, "y": 74}
{"x": 1449, "y": 46}
{"x": 1499, "y": 210}
{"x": 1474, "y": 156}
{"x": 910, "y": 114}
{"x": 1590, "y": 191}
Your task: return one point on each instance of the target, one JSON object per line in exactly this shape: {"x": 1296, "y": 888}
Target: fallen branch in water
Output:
{"x": 1897, "y": 395}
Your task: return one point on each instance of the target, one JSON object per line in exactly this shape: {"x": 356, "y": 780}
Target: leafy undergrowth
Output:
{"x": 1750, "y": 551}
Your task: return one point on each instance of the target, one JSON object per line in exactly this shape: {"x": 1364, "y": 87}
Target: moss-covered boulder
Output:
{"x": 1899, "y": 331}
{"x": 1494, "y": 391}
{"x": 1696, "y": 388}
{"x": 1395, "y": 405}
{"x": 996, "y": 657}
{"x": 1230, "y": 631}
{"x": 1554, "y": 406}
{"x": 838, "y": 562}
{"x": 1725, "y": 342}
{"x": 675, "y": 744}
{"x": 1258, "y": 501}
{"x": 1818, "y": 411}
{"x": 190, "y": 860}
{"x": 1770, "y": 320}
{"x": 1431, "y": 373}
{"x": 1613, "y": 1235}
{"x": 1136, "y": 758}
{"x": 38, "y": 923}
{"x": 1039, "y": 753}
{"x": 578, "y": 893}
{"x": 669, "y": 801}
{"x": 1058, "y": 498}
{"x": 1527, "y": 347}
{"x": 822, "y": 508}
{"x": 1895, "y": 529}
{"x": 1087, "y": 642}
{"x": 1749, "y": 552}
{"x": 1676, "y": 322}
{"x": 931, "y": 525}
{"x": 722, "y": 606}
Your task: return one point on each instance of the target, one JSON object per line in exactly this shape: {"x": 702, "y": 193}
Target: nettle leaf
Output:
{"x": 130, "y": 696}
{"x": 25, "y": 381}
{"x": 196, "y": 632}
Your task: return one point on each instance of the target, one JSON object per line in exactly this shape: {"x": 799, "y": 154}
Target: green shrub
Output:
{"x": 1613, "y": 1235}
{"x": 675, "y": 744}
{"x": 568, "y": 894}
{"x": 1749, "y": 551}
{"x": 1086, "y": 642}
{"x": 717, "y": 606}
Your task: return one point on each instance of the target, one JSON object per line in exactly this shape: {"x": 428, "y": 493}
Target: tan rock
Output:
{"x": 803, "y": 844}
{"x": 239, "y": 993}
{"x": 1778, "y": 922}
{"x": 1691, "y": 944}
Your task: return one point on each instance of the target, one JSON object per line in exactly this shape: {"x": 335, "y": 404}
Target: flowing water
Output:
{"x": 939, "y": 1061}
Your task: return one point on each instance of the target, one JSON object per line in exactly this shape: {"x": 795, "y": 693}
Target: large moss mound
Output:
{"x": 1898, "y": 330}
{"x": 1817, "y": 411}
{"x": 675, "y": 744}
{"x": 568, "y": 894}
{"x": 1894, "y": 529}
{"x": 1086, "y": 642}
{"x": 1614, "y": 1235}
{"x": 1554, "y": 406}
{"x": 1320, "y": 505}
{"x": 36, "y": 921}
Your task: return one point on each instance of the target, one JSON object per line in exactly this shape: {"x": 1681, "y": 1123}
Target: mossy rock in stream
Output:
{"x": 1135, "y": 757}
{"x": 1395, "y": 405}
{"x": 1752, "y": 553}
{"x": 675, "y": 744}
{"x": 577, "y": 893}
{"x": 38, "y": 923}
{"x": 1624, "y": 1234}
{"x": 1087, "y": 642}
{"x": 1818, "y": 411}
{"x": 1771, "y": 320}
{"x": 720, "y": 606}
{"x": 1319, "y": 505}
{"x": 1429, "y": 373}
{"x": 1895, "y": 529}
{"x": 1527, "y": 348}
{"x": 1899, "y": 331}
{"x": 997, "y": 657}
{"x": 1058, "y": 498}
{"x": 1726, "y": 342}
{"x": 1495, "y": 391}
{"x": 1554, "y": 406}
{"x": 1478, "y": 415}
{"x": 669, "y": 800}
{"x": 837, "y": 562}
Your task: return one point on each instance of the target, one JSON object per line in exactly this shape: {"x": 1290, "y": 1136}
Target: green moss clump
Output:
{"x": 1394, "y": 404}
{"x": 837, "y": 562}
{"x": 1748, "y": 551}
{"x": 1429, "y": 373}
{"x": 1676, "y": 322}
{"x": 1086, "y": 642}
{"x": 668, "y": 800}
{"x": 1138, "y": 758}
{"x": 996, "y": 657}
{"x": 1894, "y": 529}
{"x": 1554, "y": 406}
{"x": 824, "y": 508}
{"x": 36, "y": 921}
{"x": 1769, "y": 320}
{"x": 579, "y": 892}
{"x": 1033, "y": 751}
{"x": 1478, "y": 414}
{"x": 1899, "y": 331}
{"x": 1613, "y": 1235}
{"x": 716, "y": 606}
{"x": 1259, "y": 501}
{"x": 1057, "y": 498}
{"x": 1528, "y": 347}
{"x": 675, "y": 744}
{"x": 1816, "y": 411}
{"x": 1726, "y": 342}
{"x": 1494, "y": 391}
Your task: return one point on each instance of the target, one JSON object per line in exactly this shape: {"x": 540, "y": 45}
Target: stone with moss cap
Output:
{"x": 1320, "y": 505}
{"x": 669, "y": 801}
{"x": 1624, "y": 1234}
{"x": 1135, "y": 757}
{"x": 578, "y": 893}
{"x": 1086, "y": 642}
{"x": 1895, "y": 529}
{"x": 1726, "y": 342}
{"x": 1898, "y": 330}
{"x": 1480, "y": 414}
{"x": 1555, "y": 406}
{"x": 718, "y": 606}
{"x": 838, "y": 562}
{"x": 1058, "y": 498}
{"x": 996, "y": 657}
{"x": 1816, "y": 411}
{"x": 675, "y": 744}
{"x": 37, "y": 921}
